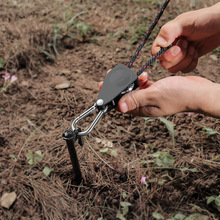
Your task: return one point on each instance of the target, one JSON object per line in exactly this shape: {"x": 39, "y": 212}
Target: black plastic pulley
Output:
{"x": 117, "y": 82}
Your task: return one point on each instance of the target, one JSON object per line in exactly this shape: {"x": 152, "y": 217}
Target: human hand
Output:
{"x": 168, "y": 96}
{"x": 193, "y": 34}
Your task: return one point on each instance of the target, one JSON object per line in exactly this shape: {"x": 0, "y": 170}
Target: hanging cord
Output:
{"x": 153, "y": 59}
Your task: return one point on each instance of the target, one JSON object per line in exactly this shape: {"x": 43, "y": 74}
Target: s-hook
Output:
{"x": 119, "y": 81}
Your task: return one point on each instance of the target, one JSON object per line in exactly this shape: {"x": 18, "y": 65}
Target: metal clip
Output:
{"x": 85, "y": 114}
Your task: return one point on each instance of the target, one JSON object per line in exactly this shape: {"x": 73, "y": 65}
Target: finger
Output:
{"x": 191, "y": 67}
{"x": 175, "y": 55}
{"x": 185, "y": 62}
{"x": 135, "y": 99}
{"x": 147, "y": 111}
{"x": 100, "y": 85}
{"x": 167, "y": 35}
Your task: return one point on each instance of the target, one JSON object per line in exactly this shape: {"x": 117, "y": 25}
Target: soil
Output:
{"x": 35, "y": 113}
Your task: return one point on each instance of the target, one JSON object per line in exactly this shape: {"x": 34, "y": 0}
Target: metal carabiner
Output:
{"x": 85, "y": 114}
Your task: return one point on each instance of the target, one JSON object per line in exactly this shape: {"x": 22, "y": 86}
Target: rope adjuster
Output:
{"x": 117, "y": 82}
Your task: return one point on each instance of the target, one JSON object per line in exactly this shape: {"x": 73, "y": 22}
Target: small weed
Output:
{"x": 47, "y": 171}
{"x": 8, "y": 80}
{"x": 67, "y": 30}
{"x": 206, "y": 130}
{"x": 33, "y": 157}
{"x": 124, "y": 210}
{"x": 215, "y": 201}
{"x": 2, "y": 63}
{"x": 216, "y": 50}
{"x": 163, "y": 159}
{"x": 13, "y": 157}
{"x": 157, "y": 216}
{"x": 170, "y": 127}
{"x": 112, "y": 153}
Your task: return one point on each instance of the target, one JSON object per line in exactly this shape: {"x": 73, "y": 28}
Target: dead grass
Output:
{"x": 34, "y": 116}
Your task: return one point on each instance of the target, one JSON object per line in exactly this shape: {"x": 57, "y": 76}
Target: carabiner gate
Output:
{"x": 84, "y": 115}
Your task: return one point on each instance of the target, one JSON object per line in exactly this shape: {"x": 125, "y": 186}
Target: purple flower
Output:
{"x": 143, "y": 179}
{"x": 13, "y": 78}
{"x": 6, "y": 76}
{"x": 189, "y": 113}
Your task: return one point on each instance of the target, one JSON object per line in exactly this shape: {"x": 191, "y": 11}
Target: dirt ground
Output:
{"x": 47, "y": 49}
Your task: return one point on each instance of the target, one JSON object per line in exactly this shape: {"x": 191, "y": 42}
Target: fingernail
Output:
{"x": 124, "y": 107}
{"x": 175, "y": 50}
{"x": 144, "y": 74}
{"x": 161, "y": 41}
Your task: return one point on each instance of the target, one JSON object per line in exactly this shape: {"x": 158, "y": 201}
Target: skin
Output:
{"x": 193, "y": 34}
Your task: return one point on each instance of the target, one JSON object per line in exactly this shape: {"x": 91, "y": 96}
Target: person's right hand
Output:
{"x": 193, "y": 34}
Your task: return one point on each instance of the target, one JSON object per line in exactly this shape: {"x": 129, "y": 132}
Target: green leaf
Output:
{"x": 210, "y": 199}
{"x": 161, "y": 182}
{"x": 38, "y": 155}
{"x": 120, "y": 216}
{"x": 114, "y": 153}
{"x": 194, "y": 170}
{"x": 125, "y": 204}
{"x": 217, "y": 201}
{"x": 147, "y": 119}
{"x": 209, "y": 131}
{"x": 157, "y": 216}
{"x": 163, "y": 159}
{"x": 197, "y": 216}
{"x": 2, "y": 63}
{"x": 124, "y": 195}
{"x": 197, "y": 208}
{"x": 47, "y": 171}
{"x": 31, "y": 161}
{"x": 29, "y": 154}
{"x": 13, "y": 158}
{"x": 125, "y": 210}
{"x": 170, "y": 128}
{"x": 104, "y": 150}
{"x": 179, "y": 216}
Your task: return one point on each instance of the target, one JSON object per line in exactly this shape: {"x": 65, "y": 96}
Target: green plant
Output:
{"x": 163, "y": 159}
{"x": 206, "y": 130}
{"x": 157, "y": 216}
{"x": 2, "y": 63}
{"x": 124, "y": 210}
{"x": 112, "y": 153}
{"x": 215, "y": 200}
{"x": 8, "y": 80}
{"x": 170, "y": 128}
{"x": 33, "y": 157}
{"x": 67, "y": 28}
{"x": 47, "y": 171}
{"x": 217, "y": 50}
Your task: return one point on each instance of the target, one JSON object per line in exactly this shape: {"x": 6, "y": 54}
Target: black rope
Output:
{"x": 153, "y": 59}
{"x": 147, "y": 35}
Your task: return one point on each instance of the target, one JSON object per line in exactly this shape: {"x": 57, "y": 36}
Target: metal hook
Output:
{"x": 85, "y": 114}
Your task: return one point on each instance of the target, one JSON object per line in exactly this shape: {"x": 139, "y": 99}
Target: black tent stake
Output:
{"x": 70, "y": 137}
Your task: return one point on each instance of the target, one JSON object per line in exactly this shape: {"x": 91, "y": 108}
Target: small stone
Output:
{"x": 213, "y": 57}
{"x": 63, "y": 85}
{"x": 8, "y": 199}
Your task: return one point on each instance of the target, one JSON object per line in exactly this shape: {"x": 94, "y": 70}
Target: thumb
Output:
{"x": 133, "y": 100}
{"x": 167, "y": 35}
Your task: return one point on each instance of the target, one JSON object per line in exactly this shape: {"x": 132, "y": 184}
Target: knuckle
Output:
{"x": 133, "y": 101}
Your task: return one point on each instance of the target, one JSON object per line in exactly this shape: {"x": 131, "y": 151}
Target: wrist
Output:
{"x": 211, "y": 106}
{"x": 201, "y": 95}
